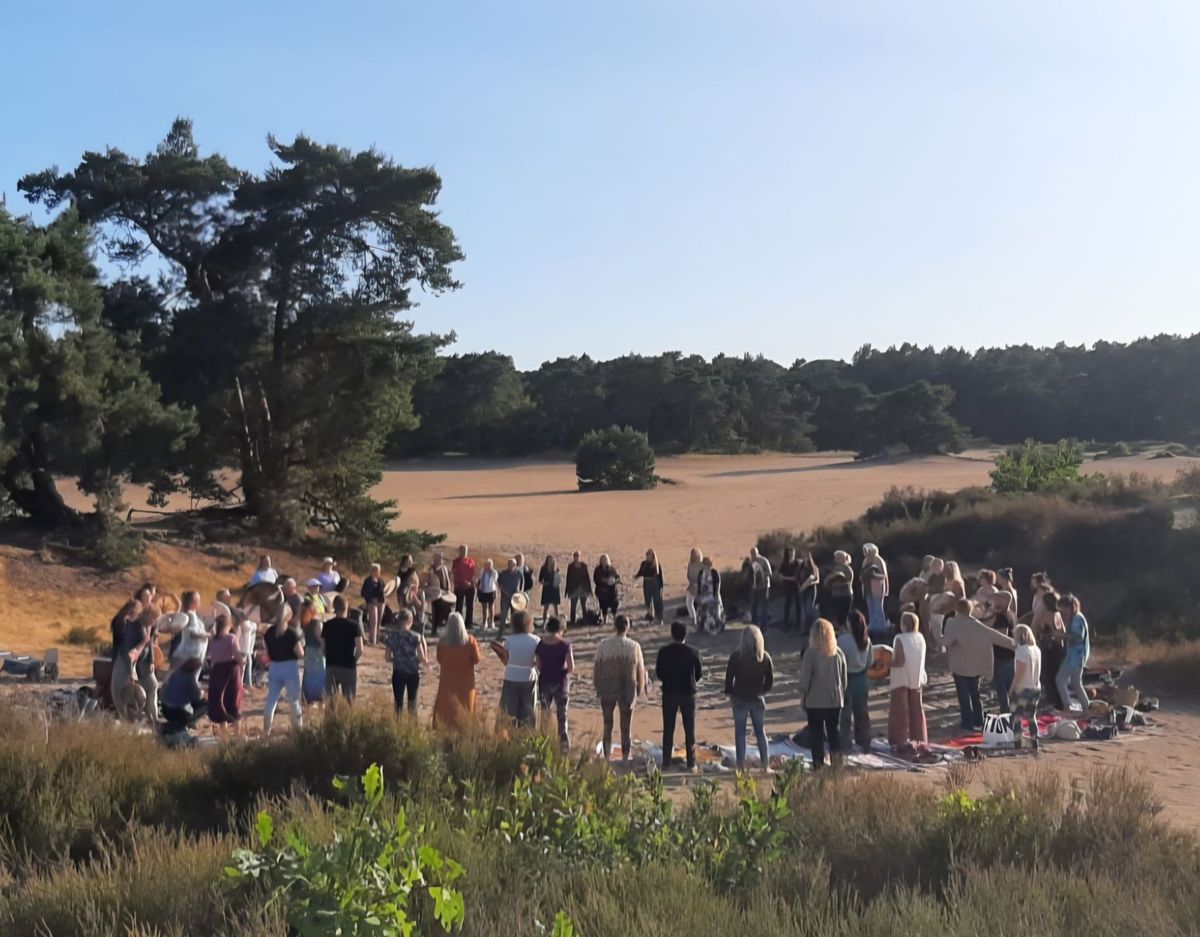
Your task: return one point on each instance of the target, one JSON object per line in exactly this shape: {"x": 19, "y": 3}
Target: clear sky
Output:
{"x": 784, "y": 178}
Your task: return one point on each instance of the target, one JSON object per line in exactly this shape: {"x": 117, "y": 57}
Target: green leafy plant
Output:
{"x": 1033, "y": 466}
{"x": 615, "y": 458}
{"x": 360, "y": 882}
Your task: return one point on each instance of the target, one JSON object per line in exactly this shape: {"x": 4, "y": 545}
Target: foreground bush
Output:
{"x": 539, "y": 835}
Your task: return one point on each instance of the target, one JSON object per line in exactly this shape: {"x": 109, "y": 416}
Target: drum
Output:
{"x": 881, "y": 662}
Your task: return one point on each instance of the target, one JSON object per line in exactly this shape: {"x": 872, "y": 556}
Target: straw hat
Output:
{"x": 519, "y": 602}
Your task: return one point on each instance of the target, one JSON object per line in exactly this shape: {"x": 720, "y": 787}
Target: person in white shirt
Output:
{"x": 907, "y": 731}
{"x": 517, "y": 652}
{"x": 1027, "y": 684}
{"x": 328, "y": 577}
{"x": 265, "y": 572}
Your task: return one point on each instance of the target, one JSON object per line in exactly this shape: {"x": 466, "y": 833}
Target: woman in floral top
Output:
{"x": 407, "y": 651}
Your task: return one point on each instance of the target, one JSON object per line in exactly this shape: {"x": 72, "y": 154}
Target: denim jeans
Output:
{"x": 757, "y": 711}
{"x": 1003, "y": 670}
{"x": 1070, "y": 683}
{"x": 856, "y": 709}
{"x": 283, "y": 676}
{"x": 970, "y": 707}
{"x": 758, "y": 606}
{"x": 809, "y": 610}
{"x": 877, "y": 624}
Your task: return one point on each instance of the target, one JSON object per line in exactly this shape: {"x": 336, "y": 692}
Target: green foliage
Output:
{"x": 1032, "y": 467}
{"x": 615, "y": 458}
{"x": 916, "y": 416}
{"x": 360, "y": 882}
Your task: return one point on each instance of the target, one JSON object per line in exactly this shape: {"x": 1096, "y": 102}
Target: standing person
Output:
{"x": 969, "y": 644}
{"x": 695, "y": 564}
{"x": 526, "y": 574}
{"x": 749, "y": 676}
{"x": 808, "y": 580}
{"x": 619, "y": 677}
{"x": 651, "y": 574}
{"x": 841, "y": 588}
{"x": 225, "y": 679}
{"x": 1006, "y": 583}
{"x": 487, "y": 593}
{"x": 410, "y": 597}
{"x": 855, "y": 645}
{"x": 1003, "y": 662}
{"x": 406, "y": 568}
{"x": 678, "y": 670}
{"x": 328, "y": 579}
{"x": 789, "y": 571}
{"x": 511, "y": 581}
{"x": 760, "y": 588}
{"x": 407, "y": 652}
{"x": 710, "y": 611}
{"x": 131, "y": 611}
{"x": 555, "y": 662}
{"x": 876, "y": 587}
{"x": 517, "y": 653}
{"x": 1027, "y": 684}
{"x": 935, "y": 585}
{"x": 463, "y": 569}
{"x": 342, "y": 638}
{"x": 285, "y": 649}
{"x": 1079, "y": 649}
{"x": 312, "y": 685}
{"x": 373, "y": 596}
{"x": 439, "y": 592}
{"x": 265, "y": 572}
{"x": 457, "y": 656}
{"x": 607, "y": 581}
{"x": 134, "y": 657}
{"x": 1039, "y": 585}
{"x": 579, "y": 586}
{"x": 907, "y": 729}
{"x": 551, "y": 581}
{"x": 822, "y": 686}
{"x": 1047, "y": 625}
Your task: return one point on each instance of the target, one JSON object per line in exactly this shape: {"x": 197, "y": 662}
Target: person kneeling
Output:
{"x": 182, "y": 702}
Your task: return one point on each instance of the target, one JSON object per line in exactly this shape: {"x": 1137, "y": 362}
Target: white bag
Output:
{"x": 998, "y": 730}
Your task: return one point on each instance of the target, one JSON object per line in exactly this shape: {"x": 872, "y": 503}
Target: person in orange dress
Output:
{"x": 457, "y": 656}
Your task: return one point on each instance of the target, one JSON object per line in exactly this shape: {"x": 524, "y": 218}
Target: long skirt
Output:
{"x": 225, "y": 692}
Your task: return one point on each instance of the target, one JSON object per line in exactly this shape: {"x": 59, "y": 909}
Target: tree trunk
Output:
{"x": 33, "y": 491}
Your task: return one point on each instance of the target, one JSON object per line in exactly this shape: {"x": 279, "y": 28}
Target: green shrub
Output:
{"x": 615, "y": 458}
{"x": 1033, "y": 466}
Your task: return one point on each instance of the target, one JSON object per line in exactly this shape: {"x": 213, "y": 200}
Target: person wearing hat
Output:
{"x": 511, "y": 582}
{"x": 439, "y": 590}
{"x": 328, "y": 579}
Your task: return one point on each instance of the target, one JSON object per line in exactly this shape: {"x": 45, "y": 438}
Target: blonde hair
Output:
{"x": 454, "y": 634}
{"x": 909, "y": 621}
{"x": 1024, "y": 635}
{"x": 696, "y": 556}
{"x": 822, "y": 640}
{"x": 376, "y": 568}
{"x": 752, "y": 643}
{"x": 841, "y": 556}
{"x": 952, "y": 571}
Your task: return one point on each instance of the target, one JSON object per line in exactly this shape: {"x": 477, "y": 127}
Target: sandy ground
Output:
{"x": 719, "y": 503}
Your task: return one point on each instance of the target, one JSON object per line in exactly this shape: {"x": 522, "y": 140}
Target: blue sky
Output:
{"x": 784, "y": 178}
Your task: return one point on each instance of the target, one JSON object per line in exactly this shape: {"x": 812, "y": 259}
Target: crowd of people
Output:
{"x": 305, "y": 646}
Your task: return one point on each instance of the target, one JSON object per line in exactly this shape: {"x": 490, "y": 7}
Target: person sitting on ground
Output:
{"x": 678, "y": 670}
{"x": 225, "y": 691}
{"x": 487, "y": 593}
{"x": 619, "y": 678}
{"x": 342, "y": 639}
{"x": 822, "y": 687}
{"x": 579, "y": 587}
{"x": 855, "y": 645}
{"x": 265, "y": 571}
{"x": 517, "y": 652}
{"x": 1026, "y": 685}
{"x": 551, "y": 581}
{"x": 969, "y": 644}
{"x": 907, "y": 729}
{"x": 183, "y": 701}
{"x": 407, "y": 652}
{"x": 373, "y": 596}
{"x": 749, "y": 676}
{"x": 1079, "y": 648}
{"x": 555, "y": 662}
{"x": 651, "y": 573}
{"x": 607, "y": 581}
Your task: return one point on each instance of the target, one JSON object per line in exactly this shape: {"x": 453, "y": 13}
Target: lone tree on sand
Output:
{"x": 615, "y": 458}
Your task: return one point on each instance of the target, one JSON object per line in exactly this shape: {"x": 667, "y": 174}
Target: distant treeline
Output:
{"x": 922, "y": 398}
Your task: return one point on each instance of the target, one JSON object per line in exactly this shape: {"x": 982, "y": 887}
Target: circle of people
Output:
{"x": 306, "y": 646}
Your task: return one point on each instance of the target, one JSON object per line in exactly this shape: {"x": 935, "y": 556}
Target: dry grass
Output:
{"x": 1169, "y": 667}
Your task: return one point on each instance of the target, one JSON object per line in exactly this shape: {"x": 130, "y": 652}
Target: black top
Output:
{"x": 1004, "y": 623}
{"x": 652, "y": 571}
{"x": 372, "y": 589}
{"x": 578, "y": 576}
{"x": 339, "y": 635}
{"x": 281, "y": 646}
{"x": 748, "y": 679}
{"x": 678, "y": 668}
{"x": 527, "y": 573}
{"x": 789, "y": 570}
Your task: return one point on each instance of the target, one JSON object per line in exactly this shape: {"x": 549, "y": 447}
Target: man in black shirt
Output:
{"x": 678, "y": 668}
{"x": 343, "y": 640}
